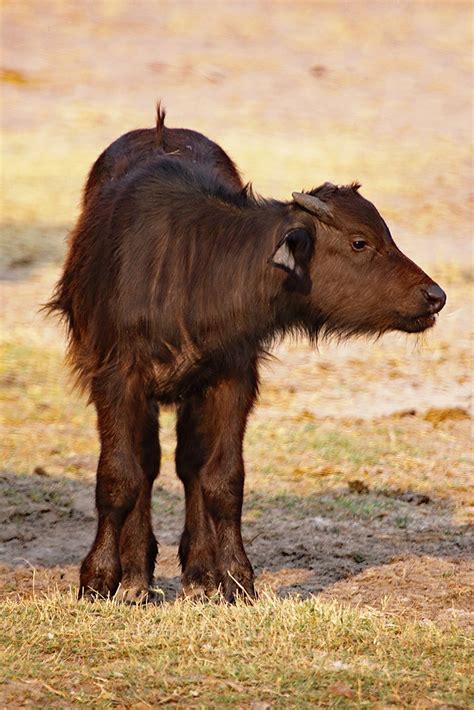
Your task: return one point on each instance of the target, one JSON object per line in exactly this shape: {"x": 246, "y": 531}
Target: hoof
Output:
{"x": 137, "y": 595}
{"x": 237, "y": 587}
{"x": 96, "y": 590}
{"x": 199, "y": 592}
{"x": 98, "y": 581}
{"x": 198, "y": 584}
{"x": 194, "y": 593}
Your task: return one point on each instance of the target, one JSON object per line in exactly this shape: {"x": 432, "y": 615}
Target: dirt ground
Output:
{"x": 425, "y": 569}
{"x": 380, "y": 513}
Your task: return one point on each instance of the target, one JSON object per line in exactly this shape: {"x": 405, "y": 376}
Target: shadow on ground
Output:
{"x": 352, "y": 543}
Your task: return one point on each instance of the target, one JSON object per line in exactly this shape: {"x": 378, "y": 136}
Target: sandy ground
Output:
{"x": 296, "y": 98}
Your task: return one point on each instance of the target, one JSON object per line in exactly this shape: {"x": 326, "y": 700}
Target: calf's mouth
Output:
{"x": 416, "y": 324}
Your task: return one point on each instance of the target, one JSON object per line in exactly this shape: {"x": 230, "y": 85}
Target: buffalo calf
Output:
{"x": 175, "y": 285}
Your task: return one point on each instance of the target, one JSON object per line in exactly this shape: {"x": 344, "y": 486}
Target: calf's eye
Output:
{"x": 359, "y": 244}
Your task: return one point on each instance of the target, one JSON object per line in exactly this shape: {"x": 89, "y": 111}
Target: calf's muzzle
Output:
{"x": 435, "y": 297}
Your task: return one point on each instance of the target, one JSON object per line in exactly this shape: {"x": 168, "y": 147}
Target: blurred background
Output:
{"x": 298, "y": 93}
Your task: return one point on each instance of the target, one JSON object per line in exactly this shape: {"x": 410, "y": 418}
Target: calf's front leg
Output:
{"x": 209, "y": 460}
{"x": 138, "y": 546}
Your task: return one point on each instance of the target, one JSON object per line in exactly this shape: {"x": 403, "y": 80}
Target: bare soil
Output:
{"x": 410, "y": 555}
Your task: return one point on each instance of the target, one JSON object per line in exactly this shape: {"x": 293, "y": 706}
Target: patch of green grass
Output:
{"x": 319, "y": 445}
{"x": 337, "y": 504}
{"x": 23, "y": 498}
{"x": 359, "y": 506}
{"x": 401, "y": 521}
{"x": 312, "y": 451}
{"x": 339, "y": 447}
{"x": 285, "y": 653}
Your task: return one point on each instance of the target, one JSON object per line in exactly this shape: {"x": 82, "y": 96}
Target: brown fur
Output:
{"x": 174, "y": 287}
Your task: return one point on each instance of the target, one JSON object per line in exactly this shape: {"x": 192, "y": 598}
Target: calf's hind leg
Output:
{"x": 209, "y": 460}
{"x": 120, "y": 482}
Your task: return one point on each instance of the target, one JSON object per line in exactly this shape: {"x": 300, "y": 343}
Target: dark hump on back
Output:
{"x": 121, "y": 156}
{"x": 165, "y": 175}
{"x": 194, "y": 147}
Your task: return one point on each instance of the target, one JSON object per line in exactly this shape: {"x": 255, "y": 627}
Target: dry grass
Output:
{"x": 287, "y": 654}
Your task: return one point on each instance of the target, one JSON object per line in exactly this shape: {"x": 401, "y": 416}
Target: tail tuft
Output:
{"x": 160, "y": 123}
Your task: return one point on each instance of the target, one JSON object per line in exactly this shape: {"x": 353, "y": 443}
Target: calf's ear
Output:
{"x": 293, "y": 255}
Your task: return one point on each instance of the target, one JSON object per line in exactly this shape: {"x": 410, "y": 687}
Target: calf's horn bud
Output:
{"x": 314, "y": 205}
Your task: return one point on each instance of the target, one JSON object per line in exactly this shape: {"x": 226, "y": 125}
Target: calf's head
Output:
{"x": 349, "y": 274}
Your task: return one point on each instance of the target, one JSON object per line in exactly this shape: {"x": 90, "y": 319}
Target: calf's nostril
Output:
{"x": 435, "y": 296}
